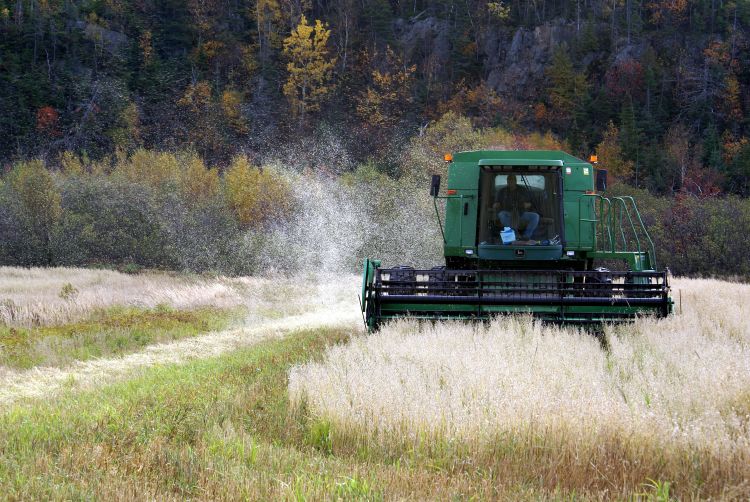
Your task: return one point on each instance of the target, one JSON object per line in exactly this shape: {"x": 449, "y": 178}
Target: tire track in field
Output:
{"x": 49, "y": 381}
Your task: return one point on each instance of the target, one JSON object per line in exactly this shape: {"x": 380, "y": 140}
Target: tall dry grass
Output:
{"x": 44, "y": 296}
{"x": 53, "y": 296}
{"x": 667, "y": 400}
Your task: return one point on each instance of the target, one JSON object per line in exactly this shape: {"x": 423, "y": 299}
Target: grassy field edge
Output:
{"x": 220, "y": 428}
{"x": 223, "y": 428}
{"x": 106, "y": 332}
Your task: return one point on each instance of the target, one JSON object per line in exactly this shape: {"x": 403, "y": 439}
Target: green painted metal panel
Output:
{"x": 461, "y": 220}
{"x": 520, "y": 162}
{"x": 475, "y": 156}
{"x": 511, "y": 253}
{"x": 402, "y": 309}
{"x": 461, "y": 209}
{"x": 578, "y": 178}
{"x": 463, "y": 176}
{"x": 579, "y": 236}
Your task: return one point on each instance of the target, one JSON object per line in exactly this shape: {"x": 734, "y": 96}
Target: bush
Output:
{"x": 30, "y": 216}
{"x": 168, "y": 210}
{"x": 257, "y": 196}
{"x": 695, "y": 236}
{"x": 111, "y": 221}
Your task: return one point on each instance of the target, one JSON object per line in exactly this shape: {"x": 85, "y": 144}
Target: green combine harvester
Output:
{"x": 526, "y": 232}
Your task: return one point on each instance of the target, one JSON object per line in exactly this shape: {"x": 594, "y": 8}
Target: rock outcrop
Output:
{"x": 516, "y": 67}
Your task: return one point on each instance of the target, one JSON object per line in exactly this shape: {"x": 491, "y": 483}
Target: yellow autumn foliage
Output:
{"x": 256, "y": 196}
{"x": 150, "y": 167}
{"x": 310, "y": 69}
{"x": 388, "y": 96}
{"x": 481, "y": 102}
{"x": 231, "y": 105}
{"x": 197, "y": 183}
{"x": 71, "y": 164}
{"x": 610, "y": 155}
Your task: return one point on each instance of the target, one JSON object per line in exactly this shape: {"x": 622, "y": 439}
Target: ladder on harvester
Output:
{"x": 618, "y": 231}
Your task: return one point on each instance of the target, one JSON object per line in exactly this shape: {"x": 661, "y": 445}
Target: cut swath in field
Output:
{"x": 32, "y": 297}
{"x": 108, "y": 332}
{"x": 667, "y": 400}
{"x": 137, "y": 328}
{"x": 55, "y": 296}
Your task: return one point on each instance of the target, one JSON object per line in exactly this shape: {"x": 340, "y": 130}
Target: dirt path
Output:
{"x": 47, "y": 381}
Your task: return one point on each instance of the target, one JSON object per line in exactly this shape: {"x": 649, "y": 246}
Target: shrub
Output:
{"x": 256, "y": 196}
{"x": 32, "y": 214}
{"x": 149, "y": 167}
{"x": 109, "y": 220}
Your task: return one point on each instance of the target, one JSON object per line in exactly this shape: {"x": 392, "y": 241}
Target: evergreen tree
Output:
{"x": 567, "y": 91}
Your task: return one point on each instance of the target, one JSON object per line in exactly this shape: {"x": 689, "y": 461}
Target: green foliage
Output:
{"x": 34, "y": 212}
{"x": 656, "y": 491}
{"x": 321, "y": 436}
{"x": 179, "y": 423}
{"x": 111, "y": 220}
{"x": 630, "y": 134}
{"x": 694, "y": 236}
{"x": 163, "y": 210}
{"x": 567, "y": 88}
{"x": 155, "y": 209}
{"x": 739, "y": 172}
{"x": 356, "y": 489}
{"x": 68, "y": 292}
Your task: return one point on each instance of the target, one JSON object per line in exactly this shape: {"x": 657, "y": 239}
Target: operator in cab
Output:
{"x": 514, "y": 204}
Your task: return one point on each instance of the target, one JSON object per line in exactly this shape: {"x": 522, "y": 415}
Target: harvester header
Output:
{"x": 526, "y": 231}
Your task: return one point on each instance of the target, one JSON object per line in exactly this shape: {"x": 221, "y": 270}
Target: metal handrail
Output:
{"x": 599, "y": 220}
{"x": 612, "y": 214}
{"x": 620, "y": 227}
{"x": 652, "y": 257}
{"x": 632, "y": 226}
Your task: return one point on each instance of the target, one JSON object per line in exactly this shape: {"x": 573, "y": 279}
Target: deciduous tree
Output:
{"x": 389, "y": 95}
{"x": 198, "y": 184}
{"x": 256, "y": 196}
{"x": 310, "y": 68}
{"x": 39, "y": 202}
{"x": 610, "y": 155}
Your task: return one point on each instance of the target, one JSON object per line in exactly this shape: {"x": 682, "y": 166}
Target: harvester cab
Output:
{"x": 526, "y": 231}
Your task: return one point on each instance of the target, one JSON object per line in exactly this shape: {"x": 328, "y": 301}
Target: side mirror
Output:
{"x": 601, "y": 180}
{"x": 435, "y": 185}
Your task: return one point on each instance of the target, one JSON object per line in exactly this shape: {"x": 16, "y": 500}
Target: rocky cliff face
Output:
{"x": 516, "y": 61}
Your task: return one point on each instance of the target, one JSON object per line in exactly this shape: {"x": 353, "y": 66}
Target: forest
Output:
{"x": 185, "y": 108}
